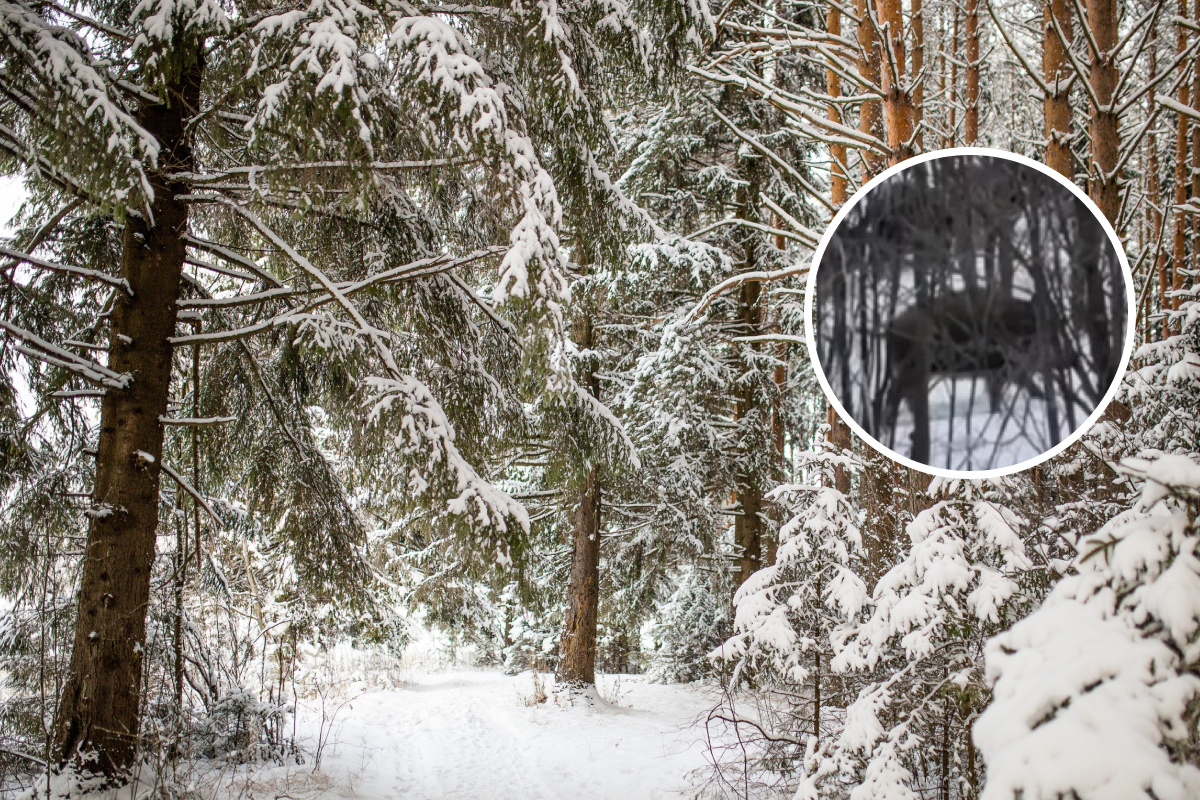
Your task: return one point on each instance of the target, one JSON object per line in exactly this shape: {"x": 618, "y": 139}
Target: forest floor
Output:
{"x": 480, "y": 735}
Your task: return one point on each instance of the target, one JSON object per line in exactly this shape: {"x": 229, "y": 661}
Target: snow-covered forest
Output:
{"x": 410, "y": 400}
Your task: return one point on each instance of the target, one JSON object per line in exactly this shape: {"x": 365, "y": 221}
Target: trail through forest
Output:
{"x": 471, "y": 735}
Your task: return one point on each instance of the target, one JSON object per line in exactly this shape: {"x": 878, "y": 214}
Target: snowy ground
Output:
{"x": 474, "y": 735}
{"x": 982, "y": 440}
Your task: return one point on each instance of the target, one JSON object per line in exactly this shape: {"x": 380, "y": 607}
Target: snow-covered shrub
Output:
{"x": 1097, "y": 693}
{"x": 915, "y": 656}
{"x": 692, "y": 621}
{"x": 239, "y": 727}
{"x": 533, "y": 642}
{"x": 786, "y": 615}
{"x": 785, "y": 611}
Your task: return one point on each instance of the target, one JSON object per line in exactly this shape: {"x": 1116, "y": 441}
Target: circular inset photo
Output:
{"x": 970, "y": 312}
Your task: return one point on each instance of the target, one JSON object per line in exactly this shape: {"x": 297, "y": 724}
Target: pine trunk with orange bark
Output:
{"x": 971, "y": 95}
{"x": 897, "y": 103}
{"x": 1056, "y": 72}
{"x": 1179, "y": 219}
{"x": 918, "y": 66}
{"x": 1104, "y": 134}
{"x": 833, "y": 88}
{"x": 870, "y": 62}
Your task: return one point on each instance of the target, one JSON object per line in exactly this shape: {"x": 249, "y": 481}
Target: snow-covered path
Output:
{"x": 470, "y": 735}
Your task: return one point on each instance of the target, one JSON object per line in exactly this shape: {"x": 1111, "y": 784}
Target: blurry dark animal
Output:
{"x": 968, "y": 333}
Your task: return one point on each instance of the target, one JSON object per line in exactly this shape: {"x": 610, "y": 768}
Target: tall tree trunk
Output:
{"x": 1179, "y": 219}
{"x": 577, "y": 662}
{"x": 96, "y": 727}
{"x": 952, "y": 96}
{"x": 870, "y": 61}
{"x": 1154, "y": 216}
{"x": 971, "y": 96}
{"x": 918, "y": 64}
{"x": 778, "y": 428}
{"x": 1195, "y": 187}
{"x": 1056, "y": 71}
{"x": 1105, "y": 141}
{"x": 839, "y": 436}
{"x": 833, "y": 87}
{"x": 898, "y": 109}
{"x": 747, "y": 529}
{"x": 748, "y": 524}
{"x": 817, "y": 693}
{"x": 839, "y": 432}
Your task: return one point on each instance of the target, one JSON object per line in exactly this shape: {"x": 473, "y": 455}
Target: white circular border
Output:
{"x": 1130, "y": 316}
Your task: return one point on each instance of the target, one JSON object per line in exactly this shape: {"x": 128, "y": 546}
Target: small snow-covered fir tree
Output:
{"x": 690, "y": 623}
{"x": 1096, "y": 693}
{"x": 915, "y": 656}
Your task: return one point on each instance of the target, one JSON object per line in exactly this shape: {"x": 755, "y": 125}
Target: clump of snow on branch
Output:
{"x": 440, "y": 60}
{"x": 81, "y": 96}
{"x": 424, "y": 426}
{"x": 328, "y": 49}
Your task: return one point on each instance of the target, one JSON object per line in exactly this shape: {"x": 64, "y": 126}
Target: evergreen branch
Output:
{"x": 771, "y": 155}
{"x": 38, "y": 348}
{"x": 187, "y": 487}
{"x": 95, "y": 24}
{"x": 259, "y": 169}
{"x": 505, "y": 326}
{"x": 226, "y": 271}
{"x": 416, "y": 269}
{"x": 811, "y": 235}
{"x": 758, "y": 226}
{"x": 737, "y": 280}
{"x": 19, "y": 257}
{"x": 230, "y": 256}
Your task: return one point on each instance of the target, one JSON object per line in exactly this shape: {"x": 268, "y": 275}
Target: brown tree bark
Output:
{"x": 839, "y": 432}
{"x": 1154, "y": 215}
{"x": 778, "y": 430}
{"x": 918, "y": 64}
{"x": 1195, "y": 188}
{"x": 1105, "y": 141}
{"x": 952, "y": 94}
{"x": 748, "y": 523}
{"x": 1056, "y": 71}
{"x": 971, "y": 95}
{"x": 96, "y": 727}
{"x": 839, "y": 435}
{"x": 577, "y": 647}
{"x": 577, "y": 661}
{"x": 897, "y": 103}
{"x": 833, "y": 87}
{"x": 1179, "y": 220}
{"x": 870, "y": 61}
